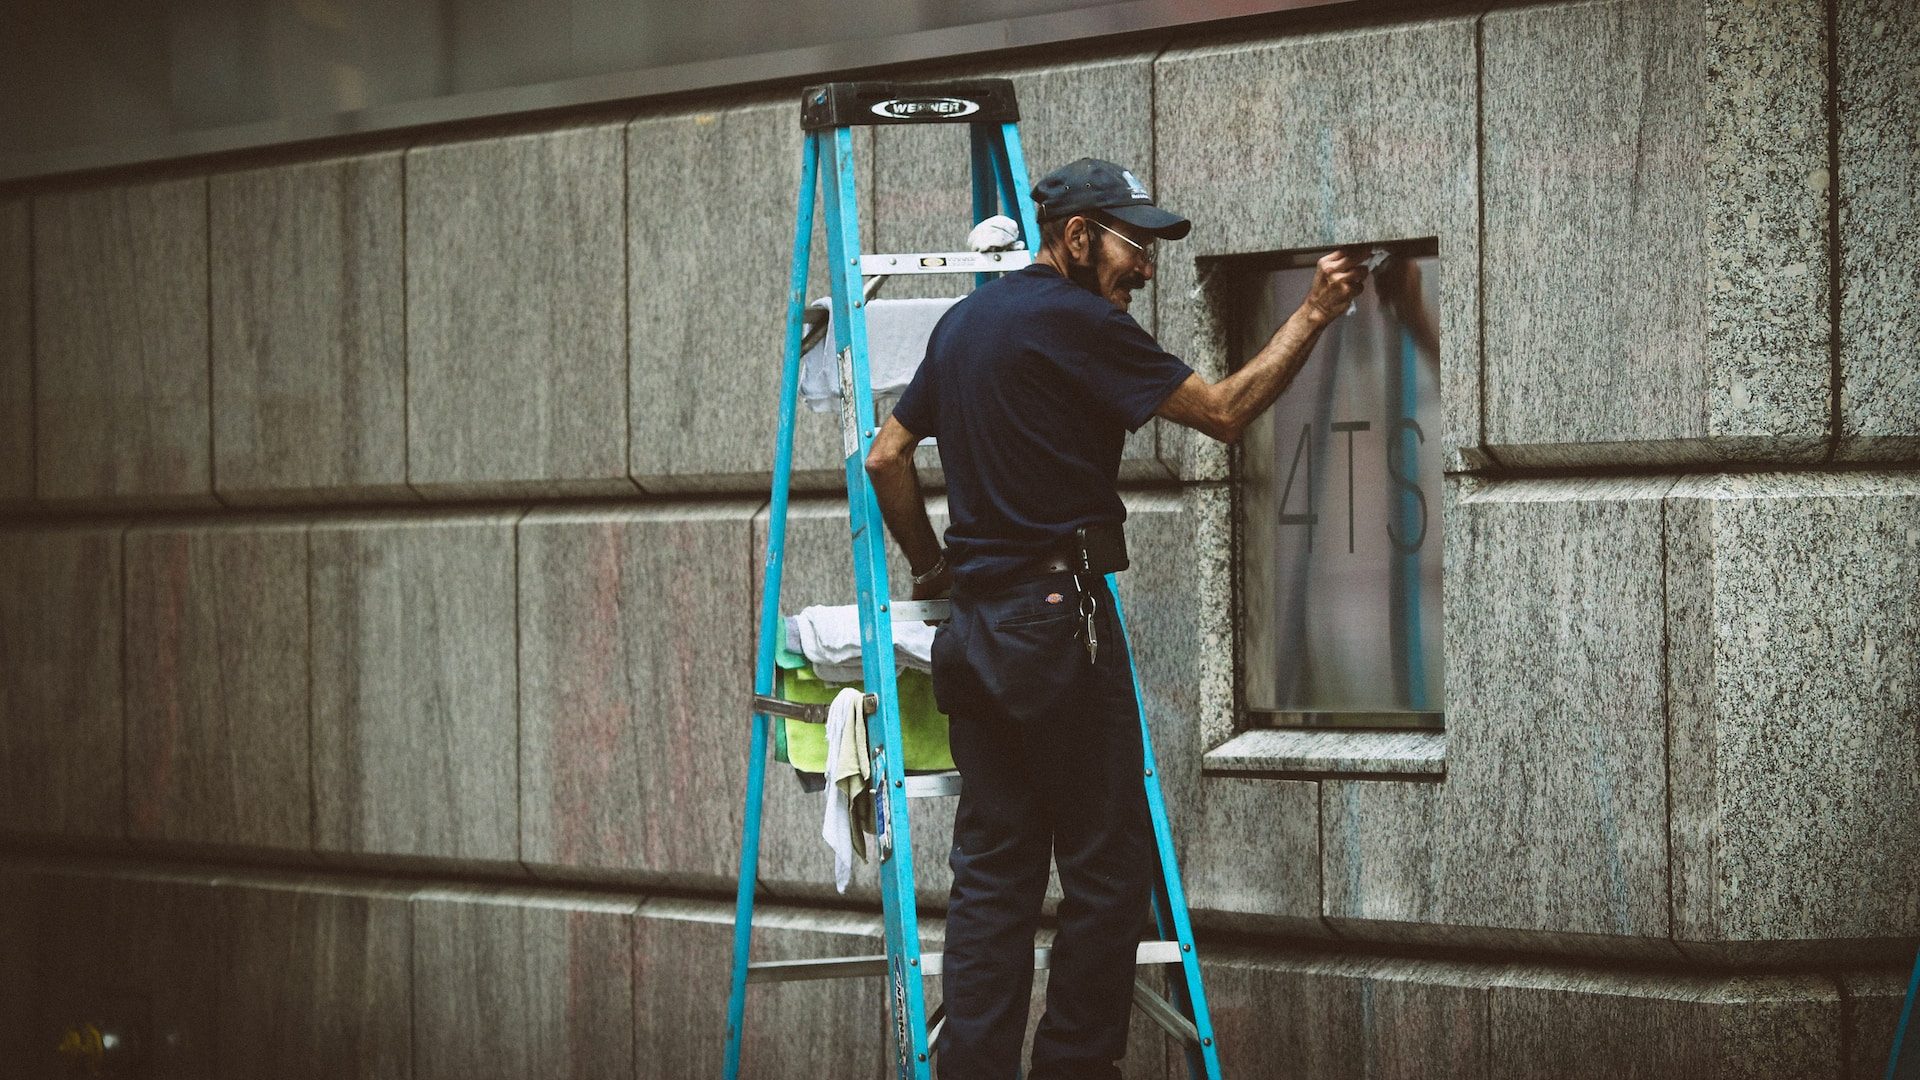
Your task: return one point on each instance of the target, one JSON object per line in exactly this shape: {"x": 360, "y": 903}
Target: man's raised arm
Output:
{"x": 1223, "y": 410}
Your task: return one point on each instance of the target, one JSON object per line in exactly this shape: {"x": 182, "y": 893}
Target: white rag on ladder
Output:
{"x": 896, "y": 343}
{"x": 829, "y": 637}
{"x": 848, "y": 771}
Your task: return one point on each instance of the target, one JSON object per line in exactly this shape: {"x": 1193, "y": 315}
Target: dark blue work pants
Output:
{"x": 1049, "y": 752}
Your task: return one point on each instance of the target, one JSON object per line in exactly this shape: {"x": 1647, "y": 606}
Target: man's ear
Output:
{"x": 1079, "y": 237}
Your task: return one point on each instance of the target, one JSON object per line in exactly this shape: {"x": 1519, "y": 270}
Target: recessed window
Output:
{"x": 1338, "y": 499}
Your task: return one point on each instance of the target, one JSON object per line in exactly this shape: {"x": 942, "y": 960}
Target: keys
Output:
{"x": 1088, "y": 607}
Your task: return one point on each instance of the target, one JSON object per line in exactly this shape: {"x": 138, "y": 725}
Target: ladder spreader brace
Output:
{"x": 999, "y": 175}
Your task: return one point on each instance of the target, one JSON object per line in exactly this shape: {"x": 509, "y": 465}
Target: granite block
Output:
{"x": 923, "y": 199}
{"x": 135, "y": 955}
{"x": 61, "y": 737}
{"x": 636, "y": 653}
{"x": 692, "y": 358}
{"x": 309, "y": 331}
{"x": 1177, "y": 599}
{"x": 1872, "y": 1001}
{"x": 314, "y": 983}
{"x": 1569, "y": 1025}
{"x": 1879, "y": 220}
{"x": 522, "y": 985}
{"x": 1347, "y": 1016}
{"x": 1550, "y": 830}
{"x": 1253, "y": 858}
{"x": 1795, "y": 764}
{"x": 216, "y": 687}
{"x": 1265, "y": 153}
{"x": 516, "y": 315}
{"x": 120, "y": 344}
{"x": 794, "y": 1031}
{"x": 16, "y": 352}
{"x": 414, "y": 688}
{"x": 1656, "y": 253}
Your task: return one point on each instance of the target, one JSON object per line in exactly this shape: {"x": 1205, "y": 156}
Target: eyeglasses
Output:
{"x": 1149, "y": 252}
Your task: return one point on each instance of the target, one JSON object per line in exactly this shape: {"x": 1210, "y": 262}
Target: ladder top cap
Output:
{"x": 960, "y": 101}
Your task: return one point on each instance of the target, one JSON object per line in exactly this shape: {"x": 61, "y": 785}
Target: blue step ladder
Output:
{"x": 999, "y": 174}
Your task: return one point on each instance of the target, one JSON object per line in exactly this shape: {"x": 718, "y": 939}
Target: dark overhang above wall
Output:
{"x": 124, "y": 82}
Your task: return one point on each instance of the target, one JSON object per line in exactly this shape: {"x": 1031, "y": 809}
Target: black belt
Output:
{"x": 1095, "y": 549}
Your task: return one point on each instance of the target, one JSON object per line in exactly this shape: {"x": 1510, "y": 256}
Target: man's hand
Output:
{"x": 937, "y": 587}
{"x": 1338, "y": 279}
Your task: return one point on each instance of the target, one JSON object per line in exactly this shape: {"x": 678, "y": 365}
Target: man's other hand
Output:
{"x": 1338, "y": 279}
{"x": 935, "y": 588}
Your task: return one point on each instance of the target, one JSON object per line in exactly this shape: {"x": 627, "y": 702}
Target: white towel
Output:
{"x": 829, "y": 637}
{"x": 848, "y": 772}
{"x": 896, "y": 343}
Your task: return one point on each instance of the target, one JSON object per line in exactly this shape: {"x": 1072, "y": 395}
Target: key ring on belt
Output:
{"x": 1089, "y": 605}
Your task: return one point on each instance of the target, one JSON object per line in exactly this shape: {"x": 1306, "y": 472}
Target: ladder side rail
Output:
{"x": 980, "y": 165}
{"x": 1176, "y": 897}
{"x": 1897, "y": 1069}
{"x": 907, "y": 1002}
{"x": 770, "y": 629}
{"x": 770, "y": 604}
{"x": 1177, "y": 988}
{"x": 1002, "y": 172}
{"x": 1014, "y": 164}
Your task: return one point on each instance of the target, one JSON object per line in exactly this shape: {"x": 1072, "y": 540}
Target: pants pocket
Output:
{"x": 949, "y": 670}
{"x": 1029, "y": 665}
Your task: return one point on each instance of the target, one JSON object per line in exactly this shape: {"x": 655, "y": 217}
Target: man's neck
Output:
{"x": 1053, "y": 259}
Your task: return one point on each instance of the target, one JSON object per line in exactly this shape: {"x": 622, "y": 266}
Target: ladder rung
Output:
{"x": 933, "y": 785}
{"x": 921, "y": 610}
{"x": 944, "y": 262}
{"x": 1162, "y": 1012}
{"x": 931, "y": 964}
{"x": 804, "y": 711}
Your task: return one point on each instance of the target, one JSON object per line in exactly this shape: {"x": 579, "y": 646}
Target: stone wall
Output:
{"x": 383, "y": 530}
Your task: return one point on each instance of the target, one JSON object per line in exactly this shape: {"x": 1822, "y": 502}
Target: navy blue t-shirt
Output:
{"x": 1030, "y": 384}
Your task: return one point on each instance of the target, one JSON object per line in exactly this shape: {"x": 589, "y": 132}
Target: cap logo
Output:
{"x": 1134, "y": 187}
{"x": 913, "y": 108}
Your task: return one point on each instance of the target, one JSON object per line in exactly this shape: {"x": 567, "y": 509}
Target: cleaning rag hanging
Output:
{"x": 849, "y": 804}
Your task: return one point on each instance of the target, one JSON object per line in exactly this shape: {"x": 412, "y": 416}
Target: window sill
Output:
{"x": 1286, "y": 754}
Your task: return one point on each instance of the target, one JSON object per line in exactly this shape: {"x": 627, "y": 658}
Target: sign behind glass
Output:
{"x": 1340, "y": 497}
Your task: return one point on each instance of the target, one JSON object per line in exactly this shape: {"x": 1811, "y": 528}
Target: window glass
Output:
{"x": 1339, "y": 499}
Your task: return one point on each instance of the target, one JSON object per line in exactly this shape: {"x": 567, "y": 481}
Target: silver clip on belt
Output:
{"x": 1089, "y": 605}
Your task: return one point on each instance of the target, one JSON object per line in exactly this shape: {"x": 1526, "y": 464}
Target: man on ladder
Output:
{"x": 1030, "y": 385}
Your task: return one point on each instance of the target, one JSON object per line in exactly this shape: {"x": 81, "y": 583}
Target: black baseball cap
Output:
{"x": 1092, "y": 184}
